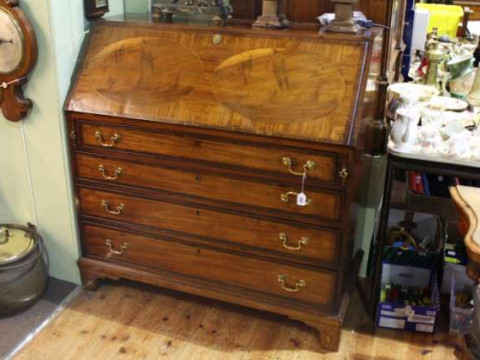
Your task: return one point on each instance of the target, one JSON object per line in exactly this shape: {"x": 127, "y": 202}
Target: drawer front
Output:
{"x": 321, "y": 167}
{"x": 316, "y": 246}
{"x": 303, "y": 285}
{"x": 325, "y": 205}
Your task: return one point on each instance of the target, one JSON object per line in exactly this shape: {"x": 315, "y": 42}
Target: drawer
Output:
{"x": 316, "y": 287}
{"x": 324, "y": 204}
{"x": 324, "y": 166}
{"x": 315, "y": 246}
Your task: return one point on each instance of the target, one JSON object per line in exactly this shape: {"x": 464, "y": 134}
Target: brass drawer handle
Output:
{"x": 284, "y": 238}
{"x": 119, "y": 210}
{"x": 113, "y": 140}
{"x": 111, "y": 248}
{"x": 118, "y": 172}
{"x": 282, "y": 279}
{"x": 286, "y": 197}
{"x": 309, "y": 165}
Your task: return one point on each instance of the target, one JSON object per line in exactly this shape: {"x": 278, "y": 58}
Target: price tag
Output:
{"x": 302, "y": 199}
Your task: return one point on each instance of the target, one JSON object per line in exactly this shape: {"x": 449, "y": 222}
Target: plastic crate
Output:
{"x": 460, "y": 318}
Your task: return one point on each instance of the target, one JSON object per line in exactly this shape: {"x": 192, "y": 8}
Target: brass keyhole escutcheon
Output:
{"x": 217, "y": 39}
{"x": 343, "y": 173}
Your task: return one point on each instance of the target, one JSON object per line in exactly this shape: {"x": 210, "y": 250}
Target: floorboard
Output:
{"x": 133, "y": 321}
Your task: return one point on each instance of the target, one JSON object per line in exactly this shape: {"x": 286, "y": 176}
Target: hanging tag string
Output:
{"x": 7, "y": 84}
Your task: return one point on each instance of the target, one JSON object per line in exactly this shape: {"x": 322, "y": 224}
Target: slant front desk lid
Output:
{"x": 294, "y": 83}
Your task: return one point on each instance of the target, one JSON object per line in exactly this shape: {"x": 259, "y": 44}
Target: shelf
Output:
{"x": 402, "y": 199}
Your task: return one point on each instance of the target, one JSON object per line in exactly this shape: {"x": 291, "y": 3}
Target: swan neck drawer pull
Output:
{"x": 282, "y": 279}
{"x": 284, "y": 239}
{"x": 309, "y": 165}
{"x": 119, "y": 210}
{"x": 286, "y": 197}
{"x": 112, "y": 250}
{"x": 114, "y": 140}
{"x": 118, "y": 172}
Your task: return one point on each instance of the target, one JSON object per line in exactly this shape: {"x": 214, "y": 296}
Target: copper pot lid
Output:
{"x": 15, "y": 244}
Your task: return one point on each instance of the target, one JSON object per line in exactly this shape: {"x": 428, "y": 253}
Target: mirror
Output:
{"x": 145, "y": 6}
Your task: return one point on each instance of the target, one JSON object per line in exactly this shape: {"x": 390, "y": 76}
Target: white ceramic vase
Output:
{"x": 404, "y": 128}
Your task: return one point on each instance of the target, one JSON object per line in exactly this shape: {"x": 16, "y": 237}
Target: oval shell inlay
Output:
{"x": 276, "y": 85}
{"x": 146, "y": 71}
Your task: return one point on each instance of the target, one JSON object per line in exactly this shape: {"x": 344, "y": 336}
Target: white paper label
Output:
{"x": 421, "y": 319}
{"x": 424, "y": 328}
{"x": 391, "y": 323}
{"x": 396, "y": 313}
{"x": 301, "y": 199}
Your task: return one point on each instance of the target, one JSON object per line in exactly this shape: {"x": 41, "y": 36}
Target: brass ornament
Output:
{"x": 343, "y": 22}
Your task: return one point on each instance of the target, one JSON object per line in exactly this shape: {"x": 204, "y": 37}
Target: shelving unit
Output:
{"x": 403, "y": 199}
{"x": 397, "y": 196}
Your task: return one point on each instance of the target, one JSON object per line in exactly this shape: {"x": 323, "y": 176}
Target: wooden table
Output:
{"x": 467, "y": 200}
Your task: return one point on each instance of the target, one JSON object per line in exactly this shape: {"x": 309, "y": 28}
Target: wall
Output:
{"x": 137, "y": 6}
{"x": 116, "y": 7}
{"x": 35, "y": 183}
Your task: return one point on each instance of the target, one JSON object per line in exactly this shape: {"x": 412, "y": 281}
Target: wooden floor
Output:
{"x": 130, "y": 321}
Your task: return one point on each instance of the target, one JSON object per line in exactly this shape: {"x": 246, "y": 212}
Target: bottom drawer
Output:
{"x": 314, "y": 287}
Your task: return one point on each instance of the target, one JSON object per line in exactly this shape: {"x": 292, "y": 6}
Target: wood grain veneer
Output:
{"x": 467, "y": 201}
{"x": 196, "y": 220}
{"x": 254, "y": 274}
{"x": 178, "y": 136}
{"x": 251, "y": 83}
{"x": 219, "y": 151}
{"x": 326, "y": 205}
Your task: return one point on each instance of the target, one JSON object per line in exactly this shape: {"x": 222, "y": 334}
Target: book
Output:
{"x": 426, "y": 187}
{"x": 415, "y": 182}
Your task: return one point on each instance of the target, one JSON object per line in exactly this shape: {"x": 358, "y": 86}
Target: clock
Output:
{"x": 18, "y": 55}
{"x": 95, "y": 9}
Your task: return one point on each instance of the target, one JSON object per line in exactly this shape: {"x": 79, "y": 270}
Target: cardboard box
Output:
{"x": 415, "y": 318}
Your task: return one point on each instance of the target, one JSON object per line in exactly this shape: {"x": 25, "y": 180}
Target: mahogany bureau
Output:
{"x": 190, "y": 146}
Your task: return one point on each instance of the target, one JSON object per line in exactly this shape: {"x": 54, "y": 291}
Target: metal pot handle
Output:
{"x": 40, "y": 251}
{"x": 6, "y": 236}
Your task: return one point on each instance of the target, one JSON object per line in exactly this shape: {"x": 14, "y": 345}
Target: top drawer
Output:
{"x": 323, "y": 167}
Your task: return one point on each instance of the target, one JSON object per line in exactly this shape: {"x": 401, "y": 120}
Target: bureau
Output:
{"x": 221, "y": 162}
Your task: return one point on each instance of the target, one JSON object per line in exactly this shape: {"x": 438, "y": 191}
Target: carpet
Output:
{"x": 15, "y": 328}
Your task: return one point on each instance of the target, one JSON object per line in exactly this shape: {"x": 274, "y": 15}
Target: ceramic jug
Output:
{"x": 462, "y": 76}
{"x": 404, "y": 128}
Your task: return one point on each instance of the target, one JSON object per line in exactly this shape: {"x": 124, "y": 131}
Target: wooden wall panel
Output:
{"x": 309, "y": 10}
{"x": 375, "y": 10}
{"x": 246, "y": 9}
{"x": 474, "y": 5}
